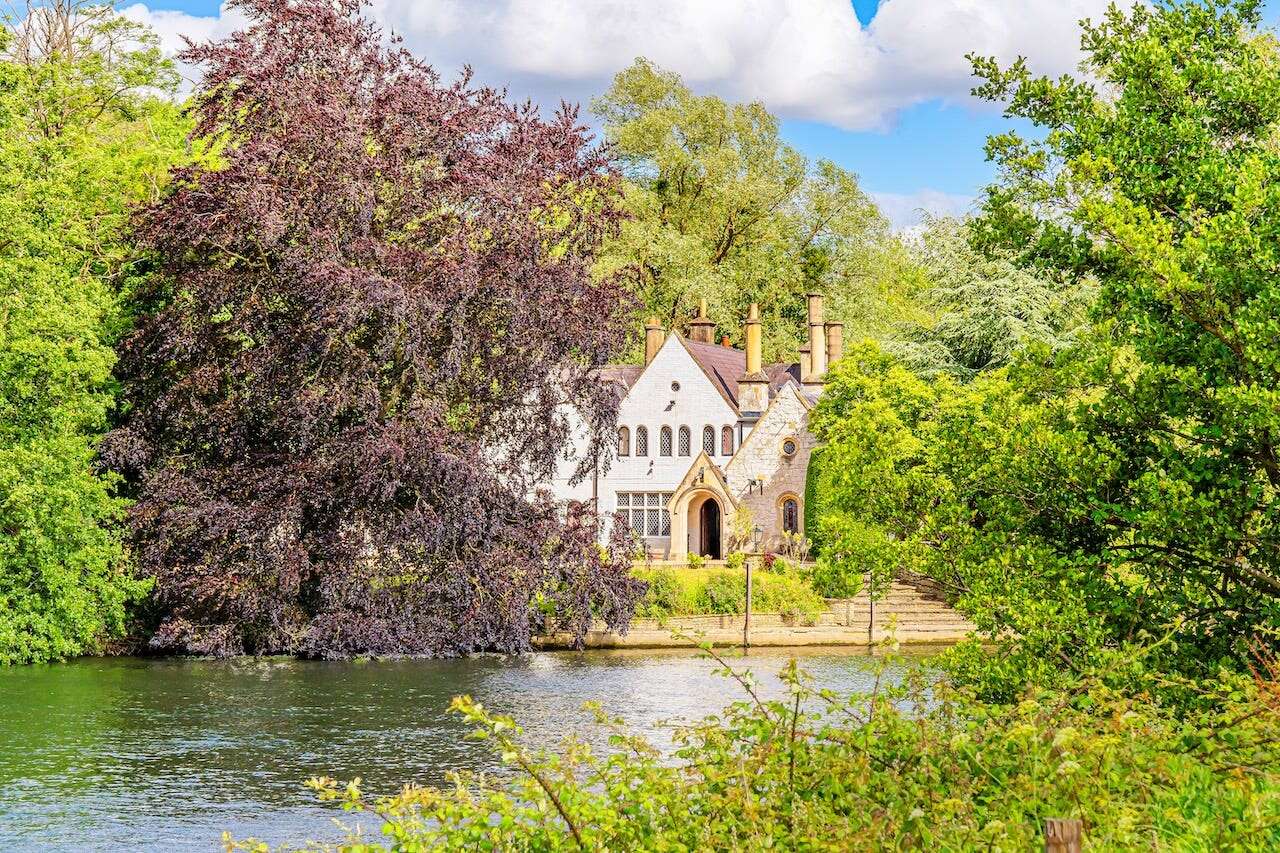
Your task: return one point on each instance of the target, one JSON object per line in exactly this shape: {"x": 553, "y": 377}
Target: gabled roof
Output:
{"x": 722, "y": 365}
{"x": 624, "y": 374}
{"x": 713, "y": 480}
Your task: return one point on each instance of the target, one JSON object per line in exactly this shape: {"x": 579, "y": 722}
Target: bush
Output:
{"x": 919, "y": 766}
{"x": 667, "y": 595}
{"x": 697, "y": 561}
{"x": 723, "y": 592}
{"x": 737, "y": 561}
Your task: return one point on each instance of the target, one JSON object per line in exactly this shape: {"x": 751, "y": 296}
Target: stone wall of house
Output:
{"x": 761, "y": 458}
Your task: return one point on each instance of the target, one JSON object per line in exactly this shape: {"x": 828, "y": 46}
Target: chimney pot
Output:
{"x": 701, "y": 328}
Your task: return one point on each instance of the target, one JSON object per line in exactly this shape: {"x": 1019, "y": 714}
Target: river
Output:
{"x": 137, "y": 754}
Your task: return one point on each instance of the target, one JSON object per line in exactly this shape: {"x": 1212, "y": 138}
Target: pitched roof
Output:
{"x": 723, "y": 365}
{"x": 624, "y": 374}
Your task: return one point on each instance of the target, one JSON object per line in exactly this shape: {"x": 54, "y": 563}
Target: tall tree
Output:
{"x": 722, "y": 209}
{"x": 367, "y": 319}
{"x": 1159, "y": 173}
{"x": 979, "y": 308}
{"x": 82, "y": 136}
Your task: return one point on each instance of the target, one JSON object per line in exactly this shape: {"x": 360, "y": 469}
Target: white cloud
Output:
{"x": 807, "y": 59}
{"x": 906, "y": 211}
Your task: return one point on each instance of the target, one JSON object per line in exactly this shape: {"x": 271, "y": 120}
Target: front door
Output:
{"x": 710, "y": 526}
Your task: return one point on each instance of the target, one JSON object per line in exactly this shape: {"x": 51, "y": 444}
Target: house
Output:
{"x": 713, "y": 445}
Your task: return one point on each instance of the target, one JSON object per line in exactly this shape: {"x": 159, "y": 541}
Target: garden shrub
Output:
{"x": 666, "y": 595}
{"x": 736, "y": 561}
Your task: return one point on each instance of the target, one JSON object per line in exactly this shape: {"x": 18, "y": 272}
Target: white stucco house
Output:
{"x": 708, "y": 433}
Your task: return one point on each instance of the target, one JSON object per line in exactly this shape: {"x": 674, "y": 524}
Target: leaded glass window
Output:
{"x": 709, "y": 441}
{"x": 664, "y": 441}
{"x": 684, "y": 441}
{"x": 642, "y": 441}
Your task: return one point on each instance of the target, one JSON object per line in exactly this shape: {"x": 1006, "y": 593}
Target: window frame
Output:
{"x": 624, "y": 442}
{"x": 709, "y": 440}
{"x": 666, "y": 446}
{"x": 642, "y": 442}
{"x": 726, "y": 441}
{"x": 684, "y": 441}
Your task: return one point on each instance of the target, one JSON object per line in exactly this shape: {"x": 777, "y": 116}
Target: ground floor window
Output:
{"x": 791, "y": 515}
{"x": 646, "y": 512}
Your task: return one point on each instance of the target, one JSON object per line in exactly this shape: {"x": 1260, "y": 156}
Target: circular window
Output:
{"x": 789, "y": 447}
{"x": 675, "y": 386}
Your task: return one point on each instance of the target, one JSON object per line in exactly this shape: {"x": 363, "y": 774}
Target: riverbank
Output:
{"x": 912, "y": 612}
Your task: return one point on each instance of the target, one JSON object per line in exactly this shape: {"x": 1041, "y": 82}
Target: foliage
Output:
{"x": 721, "y": 209}
{"x": 982, "y": 308}
{"x": 352, "y": 374}
{"x": 1158, "y": 172}
{"x": 736, "y": 561}
{"x": 84, "y": 133}
{"x": 916, "y": 766}
{"x": 697, "y": 561}
{"x": 688, "y": 592}
{"x": 726, "y": 592}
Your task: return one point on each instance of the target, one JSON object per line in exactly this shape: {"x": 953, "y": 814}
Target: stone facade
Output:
{"x": 762, "y": 475}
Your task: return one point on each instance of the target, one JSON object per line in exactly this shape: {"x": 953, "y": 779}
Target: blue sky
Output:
{"x": 882, "y": 91}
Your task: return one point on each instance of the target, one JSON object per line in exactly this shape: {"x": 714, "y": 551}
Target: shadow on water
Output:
{"x": 124, "y": 753}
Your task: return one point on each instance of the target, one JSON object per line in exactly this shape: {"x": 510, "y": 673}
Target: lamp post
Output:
{"x": 746, "y": 619}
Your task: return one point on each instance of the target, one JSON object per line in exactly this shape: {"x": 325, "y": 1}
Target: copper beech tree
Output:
{"x": 368, "y": 307}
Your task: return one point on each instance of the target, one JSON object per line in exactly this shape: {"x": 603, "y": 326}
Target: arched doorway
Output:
{"x": 709, "y": 529}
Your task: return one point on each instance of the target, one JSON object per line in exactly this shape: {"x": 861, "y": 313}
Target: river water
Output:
{"x": 132, "y": 754}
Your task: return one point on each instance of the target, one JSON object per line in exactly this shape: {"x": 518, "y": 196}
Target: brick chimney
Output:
{"x": 753, "y": 387}
{"x": 701, "y": 328}
{"x": 817, "y": 344}
{"x": 835, "y": 342}
{"x": 653, "y": 339}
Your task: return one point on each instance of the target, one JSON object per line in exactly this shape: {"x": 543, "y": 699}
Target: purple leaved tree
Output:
{"x": 371, "y": 301}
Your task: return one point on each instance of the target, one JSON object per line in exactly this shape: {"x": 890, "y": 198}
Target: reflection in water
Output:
{"x": 106, "y": 754}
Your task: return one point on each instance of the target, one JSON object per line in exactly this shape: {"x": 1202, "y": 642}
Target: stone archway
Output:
{"x": 704, "y": 484}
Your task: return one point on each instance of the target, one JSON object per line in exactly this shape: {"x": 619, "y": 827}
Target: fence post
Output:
{"x": 746, "y": 619}
{"x": 1063, "y": 835}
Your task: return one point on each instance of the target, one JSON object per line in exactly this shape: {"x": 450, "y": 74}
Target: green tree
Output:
{"x": 980, "y": 308}
{"x": 80, "y": 138}
{"x": 722, "y": 209}
{"x": 1158, "y": 171}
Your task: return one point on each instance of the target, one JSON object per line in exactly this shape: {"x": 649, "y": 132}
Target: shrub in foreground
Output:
{"x": 917, "y": 766}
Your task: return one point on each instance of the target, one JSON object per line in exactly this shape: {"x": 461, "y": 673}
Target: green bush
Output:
{"x": 723, "y": 592}
{"x": 697, "y": 561}
{"x": 917, "y": 766}
{"x": 736, "y": 561}
{"x": 666, "y": 596}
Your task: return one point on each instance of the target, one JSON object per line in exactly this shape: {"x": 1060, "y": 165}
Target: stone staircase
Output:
{"x": 912, "y": 611}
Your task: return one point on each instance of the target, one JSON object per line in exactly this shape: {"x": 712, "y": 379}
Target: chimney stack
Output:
{"x": 817, "y": 342}
{"x": 653, "y": 339}
{"x": 753, "y": 387}
{"x": 835, "y": 342}
{"x": 701, "y": 328}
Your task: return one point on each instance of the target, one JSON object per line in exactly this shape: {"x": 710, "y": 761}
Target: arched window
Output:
{"x": 624, "y": 441}
{"x": 790, "y": 515}
{"x": 664, "y": 441}
{"x": 642, "y": 441}
{"x": 726, "y": 441}
{"x": 709, "y": 440}
{"x": 685, "y": 441}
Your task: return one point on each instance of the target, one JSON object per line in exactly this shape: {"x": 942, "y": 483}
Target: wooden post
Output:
{"x": 746, "y": 619}
{"x": 1063, "y": 835}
